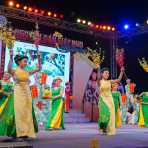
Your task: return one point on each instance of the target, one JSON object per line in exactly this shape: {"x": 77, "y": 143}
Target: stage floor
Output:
{"x": 81, "y": 136}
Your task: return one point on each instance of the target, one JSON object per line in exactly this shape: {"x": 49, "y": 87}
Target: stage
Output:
{"x": 82, "y": 135}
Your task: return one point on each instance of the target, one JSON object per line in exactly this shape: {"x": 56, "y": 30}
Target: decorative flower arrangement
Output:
{"x": 144, "y": 64}
{"x": 120, "y": 57}
{"x": 46, "y": 39}
{"x": 58, "y": 35}
{"x": 7, "y": 36}
{"x": 97, "y": 57}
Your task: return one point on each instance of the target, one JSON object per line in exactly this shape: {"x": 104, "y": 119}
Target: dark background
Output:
{"x": 108, "y": 11}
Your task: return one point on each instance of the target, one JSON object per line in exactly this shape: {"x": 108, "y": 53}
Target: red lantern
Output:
{"x": 34, "y": 91}
{"x": 123, "y": 99}
{"x": 43, "y": 78}
{"x": 132, "y": 87}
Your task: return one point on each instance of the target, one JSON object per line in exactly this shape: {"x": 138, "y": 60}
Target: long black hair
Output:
{"x": 94, "y": 71}
{"x": 18, "y": 58}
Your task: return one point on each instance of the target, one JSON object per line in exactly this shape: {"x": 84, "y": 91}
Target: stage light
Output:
{"x": 49, "y": 13}
{"x": 113, "y": 29}
{"x": 61, "y": 16}
{"x": 11, "y": 3}
{"x": 89, "y": 23}
{"x": 104, "y": 27}
{"x": 17, "y": 5}
{"x": 147, "y": 21}
{"x": 25, "y": 7}
{"x": 30, "y": 9}
{"x": 55, "y": 15}
{"x": 137, "y": 24}
{"x": 97, "y": 26}
{"x": 126, "y": 26}
{"x": 108, "y": 28}
{"x": 92, "y": 25}
{"x": 84, "y": 22}
{"x": 78, "y": 20}
{"x": 101, "y": 27}
{"x": 42, "y": 12}
{"x": 36, "y": 11}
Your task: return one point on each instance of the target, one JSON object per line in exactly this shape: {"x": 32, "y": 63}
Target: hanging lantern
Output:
{"x": 43, "y": 78}
{"x": 132, "y": 87}
{"x": 123, "y": 99}
{"x": 34, "y": 91}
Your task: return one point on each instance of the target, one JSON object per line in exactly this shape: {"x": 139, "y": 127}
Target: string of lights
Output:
{"x": 35, "y": 11}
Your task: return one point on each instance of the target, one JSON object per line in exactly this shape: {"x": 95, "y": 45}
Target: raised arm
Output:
{"x": 37, "y": 68}
{"x": 10, "y": 70}
{"x": 120, "y": 76}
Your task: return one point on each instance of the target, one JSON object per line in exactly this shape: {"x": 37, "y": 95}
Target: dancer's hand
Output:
{"x": 122, "y": 69}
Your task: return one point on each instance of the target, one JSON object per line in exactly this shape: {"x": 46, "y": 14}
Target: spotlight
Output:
{"x": 84, "y": 22}
{"x": 42, "y": 12}
{"x": 30, "y": 9}
{"x": 137, "y": 24}
{"x": 104, "y": 27}
{"x": 89, "y": 23}
{"x": 78, "y": 20}
{"x": 126, "y": 26}
{"x": 25, "y": 7}
{"x": 17, "y": 5}
{"x": 61, "y": 16}
{"x": 55, "y": 15}
{"x": 108, "y": 28}
{"x": 147, "y": 21}
{"x": 113, "y": 29}
{"x": 97, "y": 26}
{"x": 11, "y": 3}
{"x": 49, "y": 13}
{"x": 36, "y": 11}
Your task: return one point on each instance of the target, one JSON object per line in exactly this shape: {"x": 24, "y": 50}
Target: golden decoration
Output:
{"x": 7, "y": 36}
{"x": 97, "y": 57}
{"x": 144, "y": 64}
{"x": 57, "y": 35}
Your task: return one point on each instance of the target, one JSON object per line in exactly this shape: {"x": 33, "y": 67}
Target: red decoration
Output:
{"x": 34, "y": 91}
{"x": 120, "y": 57}
{"x": 39, "y": 105}
{"x": 45, "y": 39}
{"x": 43, "y": 78}
{"x": 132, "y": 87}
{"x": 123, "y": 99}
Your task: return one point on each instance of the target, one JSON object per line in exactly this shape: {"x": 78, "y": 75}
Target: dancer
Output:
{"x": 117, "y": 102}
{"x": 106, "y": 105}
{"x": 129, "y": 94}
{"x": 56, "y": 119}
{"x": 67, "y": 97}
{"x": 7, "y": 123}
{"x": 22, "y": 113}
{"x": 6, "y": 90}
{"x": 92, "y": 91}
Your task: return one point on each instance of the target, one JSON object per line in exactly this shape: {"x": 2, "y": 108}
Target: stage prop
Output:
{"x": 53, "y": 64}
{"x": 86, "y": 98}
{"x": 144, "y": 64}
